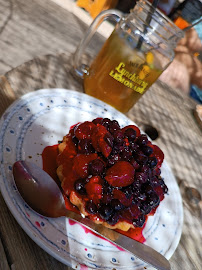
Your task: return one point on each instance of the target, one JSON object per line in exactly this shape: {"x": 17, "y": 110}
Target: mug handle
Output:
{"x": 80, "y": 68}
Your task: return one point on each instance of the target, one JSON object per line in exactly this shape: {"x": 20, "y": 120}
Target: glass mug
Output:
{"x": 139, "y": 49}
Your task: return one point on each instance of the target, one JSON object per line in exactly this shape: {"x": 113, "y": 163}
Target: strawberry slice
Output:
{"x": 121, "y": 174}
{"x": 84, "y": 130}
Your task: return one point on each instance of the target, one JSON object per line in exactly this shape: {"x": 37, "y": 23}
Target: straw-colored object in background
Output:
{"x": 96, "y": 6}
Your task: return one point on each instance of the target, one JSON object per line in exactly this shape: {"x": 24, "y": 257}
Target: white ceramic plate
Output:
{"x": 42, "y": 118}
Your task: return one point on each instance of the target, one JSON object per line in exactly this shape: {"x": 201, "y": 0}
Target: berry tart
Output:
{"x": 111, "y": 174}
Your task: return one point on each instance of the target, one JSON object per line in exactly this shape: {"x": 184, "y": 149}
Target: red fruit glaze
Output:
{"x": 49, "y": 165}
{"x": 121, "y": 174}
{"x": 69, "y": 151}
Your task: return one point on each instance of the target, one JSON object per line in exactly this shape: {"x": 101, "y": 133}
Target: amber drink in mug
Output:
{"x": 139, "y": 49}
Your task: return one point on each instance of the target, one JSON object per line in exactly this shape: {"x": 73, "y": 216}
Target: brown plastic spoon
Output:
{"x": 44, "y": 196}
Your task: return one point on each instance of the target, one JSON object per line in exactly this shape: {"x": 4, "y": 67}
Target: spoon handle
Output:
{"x": 143, "y": 252}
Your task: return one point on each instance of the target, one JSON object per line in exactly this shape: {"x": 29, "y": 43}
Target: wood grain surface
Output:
{"x": 37, "y": 39}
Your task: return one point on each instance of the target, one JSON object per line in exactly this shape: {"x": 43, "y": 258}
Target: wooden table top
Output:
{"x": 164, "y": 108}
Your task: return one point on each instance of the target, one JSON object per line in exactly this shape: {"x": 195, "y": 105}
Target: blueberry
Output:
{"x": 118, "y": 136}
{"x": 114, "y": 126}
{"x": 145, "y": 208}
{"x": 139, "y": 222}
{"x": 153, "y": 200}
{"x": 79, "y": 186}
{"x": 130, "y": 133}
{"x": 145, "y": 169}
{"x": 141, "y": 158}
{"x": 96, "y": 167}
{"x": 147, "y": 150}
{"x": 147, "y": 188}
{"x": 116, "y": 205}
{"x": 135, "y": 164}
{"x": 133, "y": 146}
{"x": 107, "y": 189}
{"x": 165, "y": 188}
{"x": 154, "y": 181}
{"x": 106, "y": 198}
{"x": 106, "y": 123}
{"x": 128, "y": 191}
{"x": 113, "y": 159}
{"x": 141, "y": 177}
{"x": 142, "y": 197}
{"x": 126, "y": 155}
{"x": 142, "y": 140}
{"x": 136, "y": 184}
{"x": 113, "y": 219}
{"x": 91, "y": 207}
{"x": 75, "y": 140}
{"x": 156, "y": 172}
{"x": 118, "y": 148}
{"x": 136, "y": 192}
{"x": 152, "y": 161}
{"x": 105, "y": 211}
{"x": 136, "y": 200}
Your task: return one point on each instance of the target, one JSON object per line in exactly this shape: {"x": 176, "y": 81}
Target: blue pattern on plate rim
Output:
{"x": 51, "y": 95}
